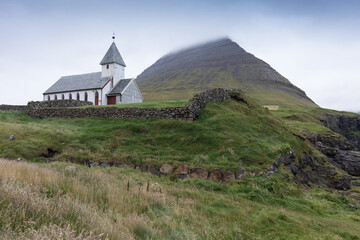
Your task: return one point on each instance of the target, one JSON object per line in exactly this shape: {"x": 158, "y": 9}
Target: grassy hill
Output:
{"x": 217, "y": 64}
{"x": 41, "y": 200}
{"x": 227, "y": 135}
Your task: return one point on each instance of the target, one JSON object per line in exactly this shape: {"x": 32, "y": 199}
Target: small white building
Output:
{"x": 107, "y": 87}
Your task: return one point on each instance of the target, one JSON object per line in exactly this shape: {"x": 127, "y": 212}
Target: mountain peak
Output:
{"x": 217, "y": 63}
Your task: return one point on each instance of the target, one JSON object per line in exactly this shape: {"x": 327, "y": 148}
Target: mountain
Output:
{"x": 221, "y": 63}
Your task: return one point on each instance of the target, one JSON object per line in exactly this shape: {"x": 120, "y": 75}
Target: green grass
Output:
{"x": 307, "y": 120}
{"x": 227, "y": 135}
{"x": 184, "y": 83}
{"x": 43, "y": 200}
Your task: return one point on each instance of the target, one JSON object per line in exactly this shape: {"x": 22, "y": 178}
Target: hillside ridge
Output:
{"x": 220, "y": 63}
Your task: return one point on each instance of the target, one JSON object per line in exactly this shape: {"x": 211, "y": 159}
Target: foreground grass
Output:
{"x": 228, "y": 135}
{"x": 47, "y": 201}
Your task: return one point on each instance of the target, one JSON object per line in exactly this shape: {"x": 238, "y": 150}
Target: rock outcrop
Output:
{"x": 340, "y": 152}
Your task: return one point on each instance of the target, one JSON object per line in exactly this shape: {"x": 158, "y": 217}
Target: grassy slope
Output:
{"x": 42, "y": 200}
{"x": 184, "y": 84}
{"x": 227, "y": 135}
{"x": 306, "y": 120}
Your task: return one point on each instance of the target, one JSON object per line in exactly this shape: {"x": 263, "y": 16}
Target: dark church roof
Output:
{"x": 78, "y": 82}
{"x": 120, "y": 86}
{"x": 113, "y": 56}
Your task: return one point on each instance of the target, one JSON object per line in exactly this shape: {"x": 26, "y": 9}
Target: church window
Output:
{"x": 62, "y": 96}
{"x": 70, "y": 96}
{"x": 48, "y": 97}
{"x": 107, "y": 66}
{"x": 86, "y": 96}
{"x": 55, "y": 97}
{"x": 78, "y": 96}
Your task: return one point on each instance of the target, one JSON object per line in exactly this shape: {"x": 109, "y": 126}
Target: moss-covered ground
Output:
{"x": 227, "y": 135}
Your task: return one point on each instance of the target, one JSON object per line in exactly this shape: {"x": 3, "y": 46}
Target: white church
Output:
{"x": 107, "y": 87}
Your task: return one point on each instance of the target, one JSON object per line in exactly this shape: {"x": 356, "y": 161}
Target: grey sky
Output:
{"x": 315, "y": 44}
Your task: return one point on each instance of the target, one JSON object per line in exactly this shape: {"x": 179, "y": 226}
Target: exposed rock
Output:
{"x": 240, "y": 173}
{"x": 141, "y": 167}
{"x": 183, "y": 169}
{"x": 215, "y": 175}
{"x": 353, "y": 206}
{"x": 59, "y": 130}
{"x": 349, "y": 161}
{"x": 344, "y": 125}
{"x": 11, "y": 138}
{"x": 344, "y": 183}
{"x": 105, "y": 164}
{"x": 153, "y": 170}
{"x": 71, "y": 168}
{"x": 19, "y": 159}
{"x": 124, "y": 165}
{"x": 356, "y": 184}
{"x": 199, "y": 173}
{"x": 93, "y": 164}
{"x": 273, "y": 169}
{"x": 228, "y": 176}
{"x": 294, "y": 169}
{"x": 288, "y": 158}
{"x": 166, "y": 169}
{"x": 340, "y": 151}
{"x": 184, "y": 176}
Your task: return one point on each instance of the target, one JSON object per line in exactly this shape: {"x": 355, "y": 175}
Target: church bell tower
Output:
{"x": 113, "y": 65}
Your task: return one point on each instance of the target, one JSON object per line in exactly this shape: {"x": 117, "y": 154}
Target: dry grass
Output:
{"x": 49, "y": 202}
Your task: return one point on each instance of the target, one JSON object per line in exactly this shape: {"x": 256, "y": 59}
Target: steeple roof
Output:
{"x": 113, "y": 56}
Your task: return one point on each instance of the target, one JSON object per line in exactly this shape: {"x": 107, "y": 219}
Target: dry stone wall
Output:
{"x": 45, "y": 104}
{"x": 13, "y": 107}
{"x": 189, "y": 112}
{"x": 58, "y": 104}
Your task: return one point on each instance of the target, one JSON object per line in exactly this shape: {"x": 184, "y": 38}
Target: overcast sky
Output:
{"x": 315, "y": 44}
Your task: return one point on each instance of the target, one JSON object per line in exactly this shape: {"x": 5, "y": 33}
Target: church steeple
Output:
{"x": 112, "y": 64}
{"x": 113, "y": 56}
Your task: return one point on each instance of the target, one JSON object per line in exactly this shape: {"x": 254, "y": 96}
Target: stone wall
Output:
{"x": 58, "y": 104}
{"x": 13, "y": 107}
{"x": 188, "y": 112}
{"x": 45, "y": 104}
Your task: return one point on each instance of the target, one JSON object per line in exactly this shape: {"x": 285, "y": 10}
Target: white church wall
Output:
{"x": 115, "y": 70}
{"x": 119, "y": 73}
{"x": 91, "y": 95}
{"x": 105, "y": 91}
{"x": 131, "y": 94}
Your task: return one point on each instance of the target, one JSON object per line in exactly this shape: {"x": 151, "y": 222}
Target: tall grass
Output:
{"x": 46, "y": 200}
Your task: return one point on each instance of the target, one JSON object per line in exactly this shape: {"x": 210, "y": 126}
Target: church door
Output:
{"x": 111, "y": 100}
{"x": 96, "y": 98}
